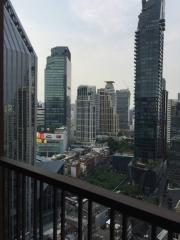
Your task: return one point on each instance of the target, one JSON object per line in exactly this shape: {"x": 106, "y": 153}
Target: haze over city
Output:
{"x": 100, "y": 35}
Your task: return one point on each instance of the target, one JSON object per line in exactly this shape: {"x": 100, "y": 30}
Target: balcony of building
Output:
{"x": 122, "y": 212}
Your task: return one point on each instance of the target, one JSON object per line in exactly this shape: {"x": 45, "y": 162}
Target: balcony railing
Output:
{"x": 129, "y": 208}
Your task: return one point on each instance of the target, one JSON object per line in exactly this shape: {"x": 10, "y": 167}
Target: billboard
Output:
{"x": 44, "y": 137}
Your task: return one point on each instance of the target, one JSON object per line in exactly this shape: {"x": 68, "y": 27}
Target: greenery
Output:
{"x": 131, "y": 190}
{"x": 120, "y": 146}
{"x": 106, "y": 178}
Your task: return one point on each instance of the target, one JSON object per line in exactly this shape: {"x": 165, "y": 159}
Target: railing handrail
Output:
{"x": 128, "y": 206}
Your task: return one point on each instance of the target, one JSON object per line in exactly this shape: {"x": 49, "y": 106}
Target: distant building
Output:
{"x": 73, "y": 122}
{"x": 120, "y": 161}
{"x": 49, "y": 144}
{"x": 149, "y": 42}
{"x": 175, "y": 148}
{"x": 123, "y": 105}
{"x": 58, "y": 89}
{"x": 175, "y": 119}
{"x": 86, "y": 115}
{"x": 40, "y": 117}
{"x": 107, "y": 122}
{"x": 164, "y": 115}
{"x": 132, "y": 113}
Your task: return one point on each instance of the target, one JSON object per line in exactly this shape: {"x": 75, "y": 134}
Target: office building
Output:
{"x": 169, "y": 121}
{"x": 175, "y": 118}
{"x": 49, "y": 144}
{"x": 123, "y": 108}
{"x": 58, "y": 89}
{"x": 73, "y": 123}
{"x": 40, "y": 117}
{"x": 19, "y": 110}
{"x": 164, "y": 116}
{"x": 20, "y": 79}
{"x": 86, "y": 115}
{"x": 149, "y": 41}
{"x": 107, "y": 117}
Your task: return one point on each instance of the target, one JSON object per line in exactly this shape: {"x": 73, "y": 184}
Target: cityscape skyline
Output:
{"x": 108, "y": 30}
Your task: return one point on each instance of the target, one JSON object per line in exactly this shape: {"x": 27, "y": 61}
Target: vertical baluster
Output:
{"x": 153, "y": 232}
{"x": 41, "y": 211}
{"x": 80, "y": 206}
{"x": 18, "y": 191}
{"x": 112, "y": 222}
{"x": 35, "y": 211}
{"x": 3, "y": 204}
{"x": 23, "y": 207}
{"x": 89, "y": 219}
{"x": 54, "y": 213}
{"x": 8, "y": 183}
{"x": 170, "y": 235}
{"x": 124, "y": 227}
{"x": 62, "y": 215}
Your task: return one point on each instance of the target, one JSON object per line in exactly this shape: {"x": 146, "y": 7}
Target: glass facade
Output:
{"x": 19, "y": 113}
{"x": 149, "y": 41}
{"x": 20, "y": 77}
{"x": 58, "y": 89}
{"x": 123, "y": 108}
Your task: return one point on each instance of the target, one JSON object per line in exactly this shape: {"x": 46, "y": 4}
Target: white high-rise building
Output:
{"x": 86, "y": 115}
{"x": 107, "y": 117}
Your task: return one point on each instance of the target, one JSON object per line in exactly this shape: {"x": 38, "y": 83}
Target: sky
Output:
{"x": 100, "y": 36}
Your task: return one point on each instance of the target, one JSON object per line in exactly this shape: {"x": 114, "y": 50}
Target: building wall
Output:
{"x": 58, "y": 89}
{"x": 86, "y": 115}
{"x": 20, "y": 77}
{"x": 149, "y": 41}
{"x": 107, "y": 117}
{"x": 40, "y": 117}
{"x": 20, "y": 93}
{"x": 123, "y": 105}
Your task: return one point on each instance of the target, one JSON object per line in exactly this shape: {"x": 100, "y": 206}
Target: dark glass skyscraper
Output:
{"x": 18, "y": 95}
{"x": 123, "y": 105}
{"x": 20, "y": 70}
{"x": 58, "y": 88}
{"x": 149, "y": 86}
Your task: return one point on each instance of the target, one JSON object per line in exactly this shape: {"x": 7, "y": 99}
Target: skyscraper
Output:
{"x": 58, "y": 89}
{"x": 20, "y": 79}
{"x": 123, "y": 105}
{"x": 86, "y": 115}
{"x": 107, "y": 117}
{"x": 40, "y": 116}
{"x": 149, "y": 41}
{"x": 18, "y": 113}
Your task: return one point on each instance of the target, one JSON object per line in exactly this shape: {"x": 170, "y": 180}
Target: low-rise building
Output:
{"x": 49, "y": 144}
{"x": 120, "y": 161}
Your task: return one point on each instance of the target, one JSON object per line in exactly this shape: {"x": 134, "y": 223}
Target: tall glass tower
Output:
{"x": 149, "y": 86}
{"x": 58, "y": 89}
{"x": 20, "y": 80}
{"x": 17, "y": 111}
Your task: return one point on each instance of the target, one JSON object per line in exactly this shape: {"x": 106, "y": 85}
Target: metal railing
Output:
{"x": 128, "y": 207}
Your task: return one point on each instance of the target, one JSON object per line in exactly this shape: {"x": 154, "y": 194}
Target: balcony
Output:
{"x": 127, "y": 207}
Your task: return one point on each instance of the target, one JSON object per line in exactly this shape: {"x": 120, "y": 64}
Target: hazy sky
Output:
{"x": 100, "y": 36}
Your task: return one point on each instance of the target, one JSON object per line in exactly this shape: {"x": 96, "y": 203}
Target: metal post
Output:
{"x": 1, "y": 116}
